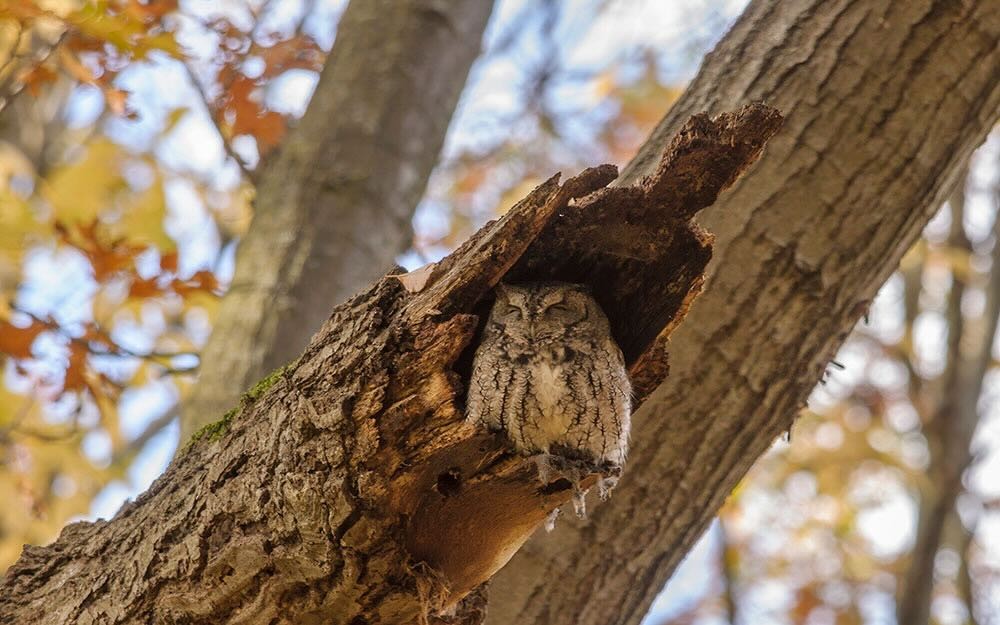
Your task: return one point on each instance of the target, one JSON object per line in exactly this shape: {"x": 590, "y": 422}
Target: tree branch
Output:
{"x": 872, "y": 143}
{"x": 334, "y": 205}
{"x": 348, "y": 487}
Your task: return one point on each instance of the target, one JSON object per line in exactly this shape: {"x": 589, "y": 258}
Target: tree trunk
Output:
{"x": 950, "y": 430}
{"x": 884, "y": 102}
{"x": 347, "y": 488}
{"x": 333, "y": 209}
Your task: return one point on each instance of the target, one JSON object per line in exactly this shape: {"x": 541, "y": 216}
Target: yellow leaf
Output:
{"x": 80, "y": 191}
{"x": 17, "y": 224}
{"x": 96, "y": 21}
{"x": 164, "y": 42}
{"x": 143, "y": 219}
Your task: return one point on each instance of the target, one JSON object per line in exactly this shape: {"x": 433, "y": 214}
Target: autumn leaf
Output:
{"x": 202, "y": 281}
{"x": 80, "y": 191}
{"x": 298, "y": 52}
{"x": 75, "y": 378}
{"x": 168, "y": 262}
{"x": 267, "y": 127}
{"x": 34, "y": 78}
{"x": 16, "y": 341}
{"x": 142, "y": 221}
{"x": 144, "y": 288}
{"x": 93, "y": 335}
{"x": 107, "y": 258}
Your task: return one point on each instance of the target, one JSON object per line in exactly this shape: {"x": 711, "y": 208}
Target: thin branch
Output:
{"x": 729, "y": 575}
{"x": 154, "y": 427}
{"x": 217, "y": 121}
{"x": 110, "y": 346}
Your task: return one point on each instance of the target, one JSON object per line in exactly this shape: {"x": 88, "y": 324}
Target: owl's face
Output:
{"x": 544, "y": 313}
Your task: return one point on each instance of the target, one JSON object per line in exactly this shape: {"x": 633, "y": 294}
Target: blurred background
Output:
{"x": 130, "y": 133}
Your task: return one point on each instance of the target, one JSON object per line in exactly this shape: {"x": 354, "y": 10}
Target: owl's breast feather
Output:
{"x": 548, "y": 381}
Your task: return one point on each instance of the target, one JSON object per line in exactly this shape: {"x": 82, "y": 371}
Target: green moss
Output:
{"x": 265, "y": 383}
{"x": 215, "y": 430}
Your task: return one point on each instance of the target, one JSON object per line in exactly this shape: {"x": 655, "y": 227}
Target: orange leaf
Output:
{"x": 17, "y": 341}
{"x": 117, "y": 100}
{"x": 144, "y": 288}
{"x": 75, "y": 379}
{"x": 107, "y": 259}
{"x": 299, "y": 52}
{"x": 92, "y": 335}
{"x": 267, "y": 127}
{"x": 168, "y": 262}
{"x": 201, "y": 281}
{"x": 37, "y": 76}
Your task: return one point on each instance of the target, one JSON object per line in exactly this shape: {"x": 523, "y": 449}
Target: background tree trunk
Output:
{"x": 884, "y": 101}
{"x": 950, "y": 429}
{"x": 347, "y": 487}
{"x": 333, "y": 208}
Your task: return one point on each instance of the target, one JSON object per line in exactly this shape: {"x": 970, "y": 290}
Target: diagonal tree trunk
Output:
{"x": 347, "y": 487}
{"x": 884, "y": 103}
{"x": 333, "y": 209}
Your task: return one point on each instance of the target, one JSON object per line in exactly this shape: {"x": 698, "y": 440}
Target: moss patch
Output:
{"x": 265, "y": 383}
{"x": 214, "y": 431}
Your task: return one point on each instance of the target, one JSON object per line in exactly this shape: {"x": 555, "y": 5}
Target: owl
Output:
{"x": 550, "y": 376}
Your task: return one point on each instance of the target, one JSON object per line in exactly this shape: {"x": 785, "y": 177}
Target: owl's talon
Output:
{"x": 580, "y": 502}
{"x": 606, "y": 484}
{"x": 550, "y": 521}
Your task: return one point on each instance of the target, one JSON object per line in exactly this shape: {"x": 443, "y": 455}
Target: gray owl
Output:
{"x": 549, "y": 375}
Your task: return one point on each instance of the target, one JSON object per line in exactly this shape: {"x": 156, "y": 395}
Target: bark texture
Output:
{"x": 884, "y": 102}
{"x": 347, "y": 488}
{"x": 333, "y": 209}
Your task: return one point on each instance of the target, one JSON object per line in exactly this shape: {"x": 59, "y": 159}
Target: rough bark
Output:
{"x": 333, "y": 209}
{"x": 347, "y": 487}
{"x": 884, "y": 102}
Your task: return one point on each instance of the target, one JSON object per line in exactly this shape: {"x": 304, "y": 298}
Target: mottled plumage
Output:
{"x": 549, "y": 374}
